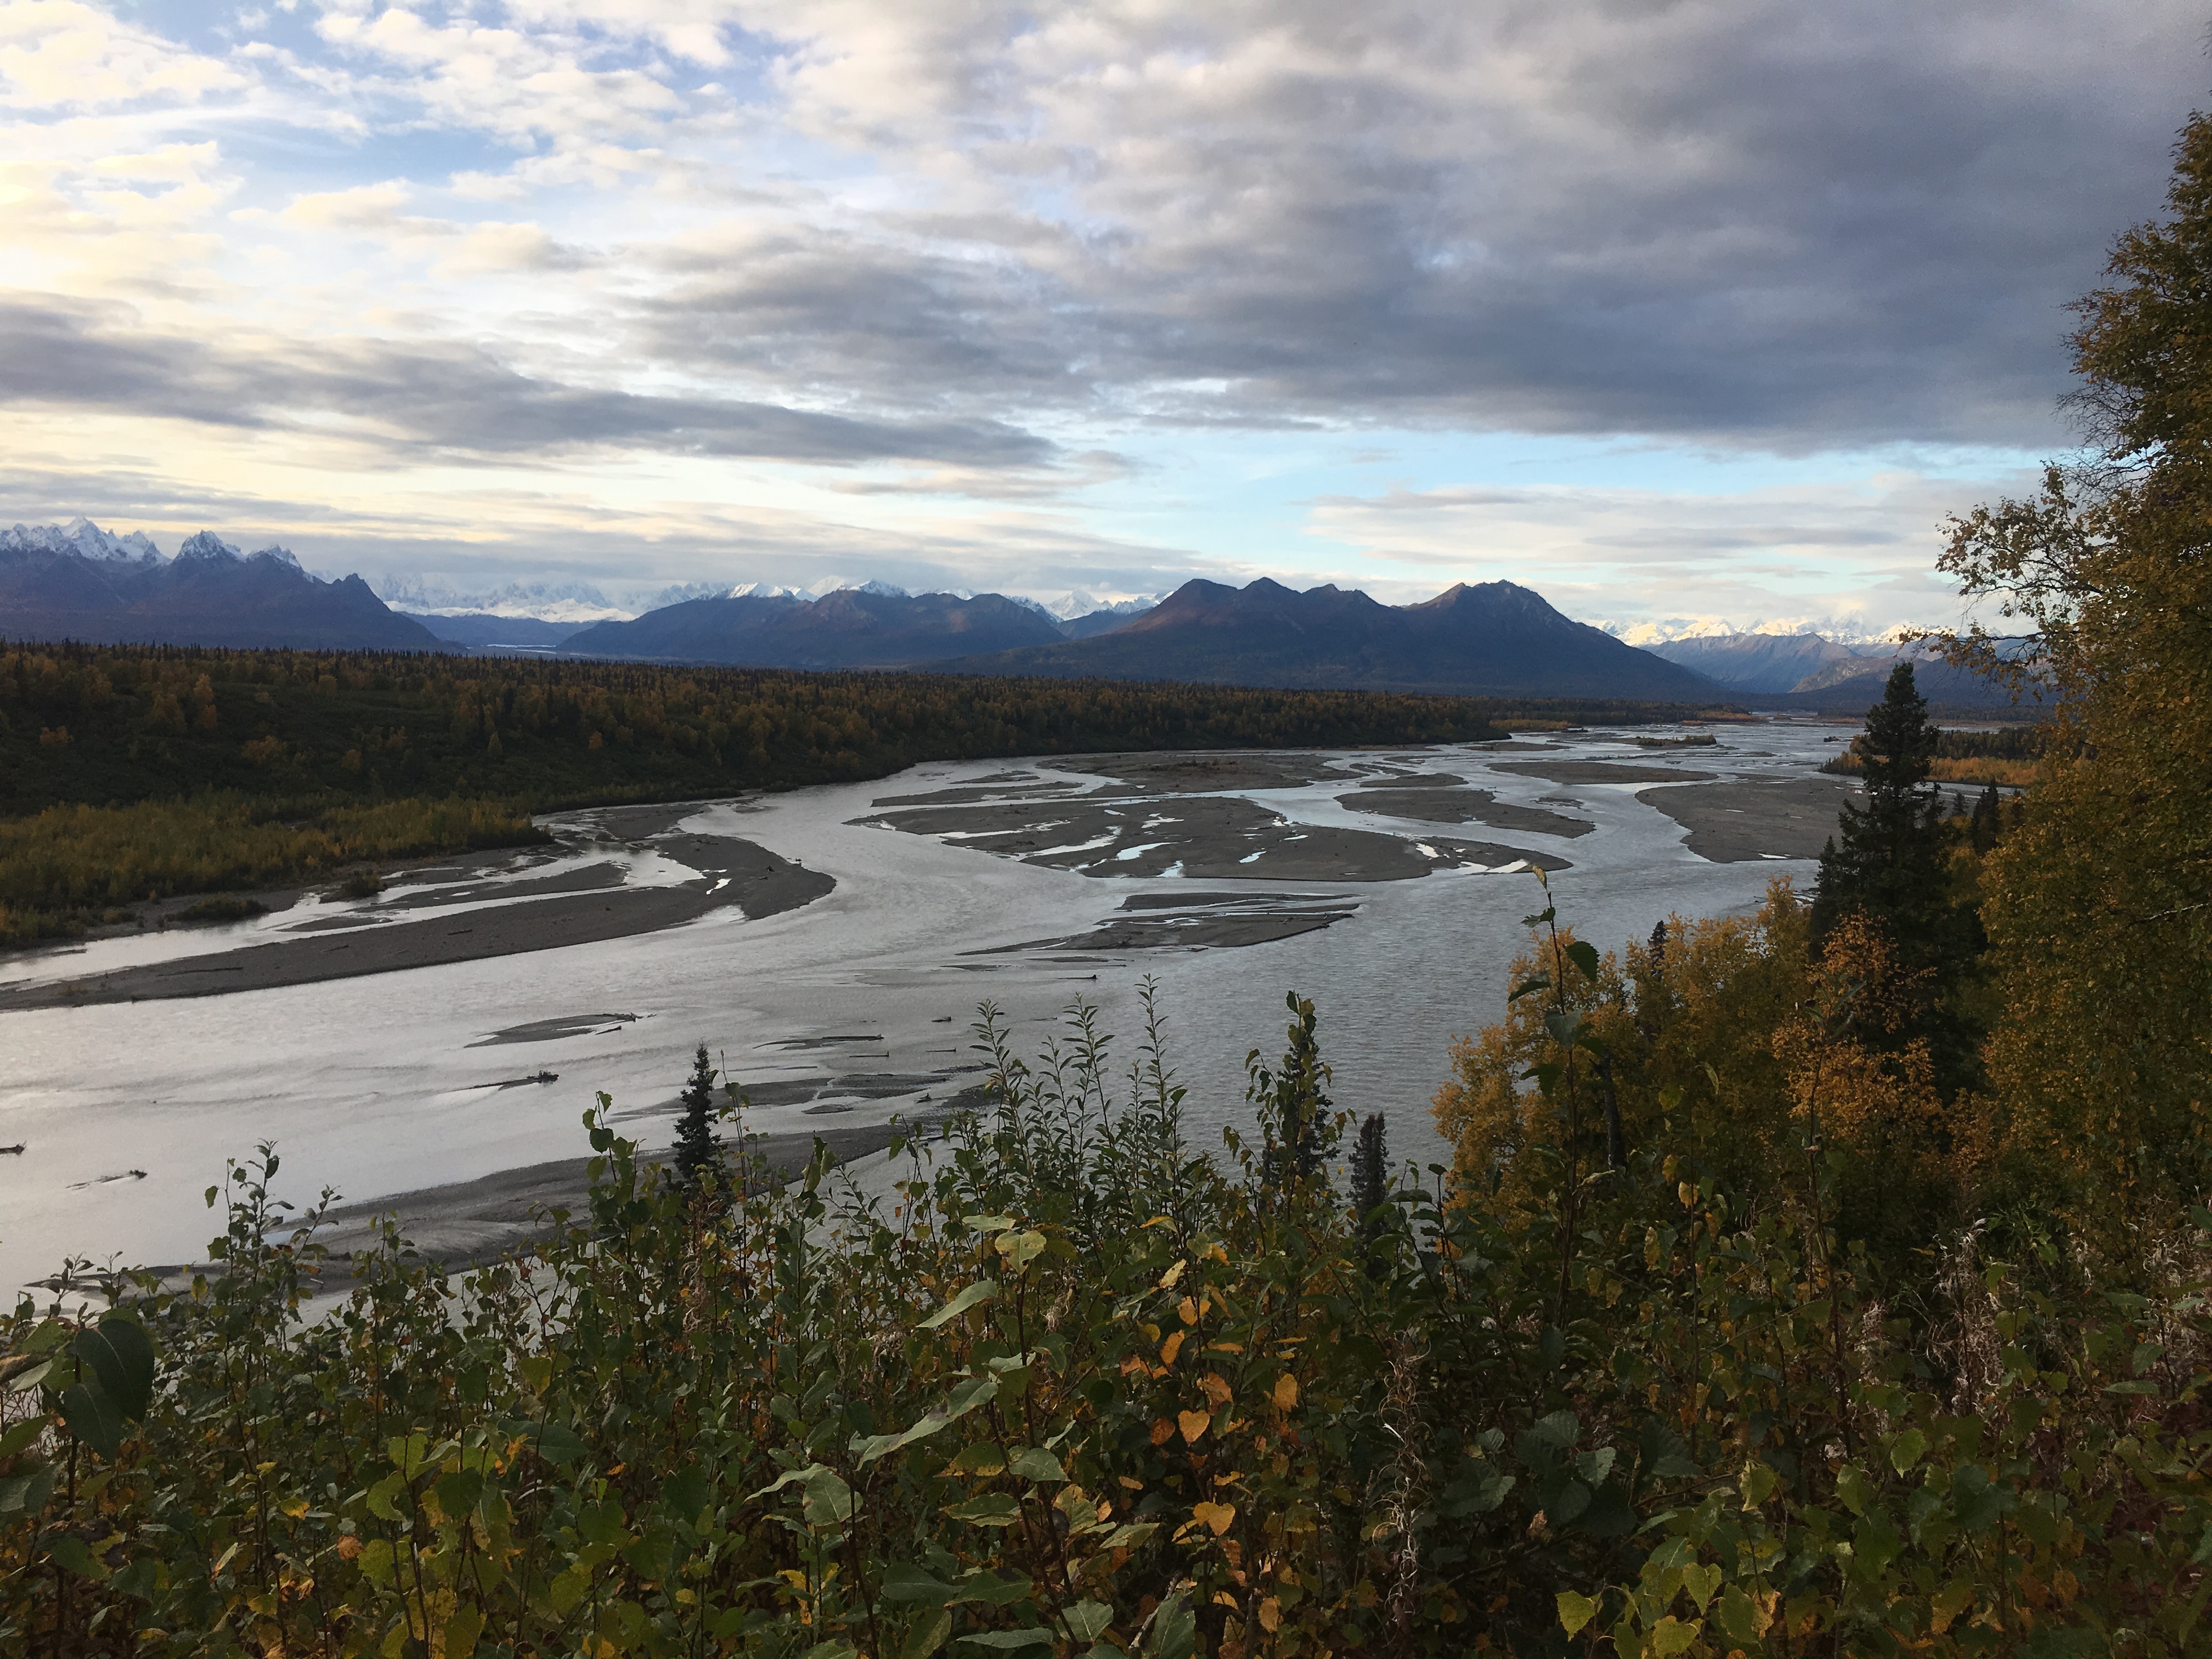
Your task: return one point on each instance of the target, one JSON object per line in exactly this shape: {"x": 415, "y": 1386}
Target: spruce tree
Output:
{"x": 697, "y": 1148}
{"x": 1892, "y": 863}
{"x": 1371, "y": 1156}
{"x": 1893, "y": 867}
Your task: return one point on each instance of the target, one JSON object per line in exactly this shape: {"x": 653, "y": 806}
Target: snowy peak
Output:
{"x": 206, "y": 545}
{"x": 81, "y": 537}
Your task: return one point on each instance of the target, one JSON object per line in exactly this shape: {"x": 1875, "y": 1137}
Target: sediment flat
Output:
{"x": 731, "y": 871}
{"x": 1422, "y": 801}
{"x": 1743, "y": 821}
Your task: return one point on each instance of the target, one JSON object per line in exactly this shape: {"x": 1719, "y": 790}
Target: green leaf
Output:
{"x": 1738, "y": 1617}
{"x": 926, "y": 1637}
{"x": 992, "y": 1509}
{"x": 986, "y": 1223}
{"x": 905, "y": 1582}
{"x": 1031, "y": 1463}
{"x": 1021, "y": 1249}
{"x": 684, "y": 1494}
{"x": 69, "y": 1549}
{"x": 984, "y": 1289}
{"x": 121, "y": 1356}
{"x": 975, "y": 1392}
{"x": 1174, "y": 1630}
{"x": 1905, "y": 1450}
{"x": 1035, "y": 1636}
{"x": 1527, "y": 987}
{"x": 1576, "y": 1610}
{"x": 1672, "y": 1636}
{"x": 1583, "y": 955}
{"x": 21, "y": 1436}
{"x": 92, "y": 1417}
{"x": 1087, "y": 1618}
{"x": 26, "y": 1491}
{"x": 1854, "y": 1489}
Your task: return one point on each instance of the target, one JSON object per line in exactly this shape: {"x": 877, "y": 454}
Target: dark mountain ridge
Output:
{"x": 78, "y": 582}
{"x": 853, "y": 628}
{"x": 1489, "y": 638}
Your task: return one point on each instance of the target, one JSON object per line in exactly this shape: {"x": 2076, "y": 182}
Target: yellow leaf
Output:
{"x": 1271, "y": 1615}
{"x": 1671, "y": 1635}
{"x": 1163, "y": 1431}
{"x": 1188, "y": 1309}
{"x": 1217, "y": 1390}
{"x": 1215, "y": 1516}
{"x": 1575, "y": 1611}
{"x": 1194, "y": 1424}
{"x": 1171, "y": 1348}
{"x": 1168, "y": 1279}
{"x": 1286, "y": 1392}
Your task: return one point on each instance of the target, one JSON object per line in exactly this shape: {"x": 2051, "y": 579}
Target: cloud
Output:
{"x": 452, "y": 399}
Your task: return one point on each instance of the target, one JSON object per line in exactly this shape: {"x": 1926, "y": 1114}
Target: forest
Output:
{"x": 1827, "y": 1282}
{"x": 133, "y": 774}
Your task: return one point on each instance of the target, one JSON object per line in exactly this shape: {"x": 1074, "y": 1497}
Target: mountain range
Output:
{"x": 1810, "y": 671}
{"x": 78, "y": 581}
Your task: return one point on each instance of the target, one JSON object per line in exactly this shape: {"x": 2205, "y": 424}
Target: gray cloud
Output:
{"x": 1795, "y": 228}
{"x": 454, "y": 400}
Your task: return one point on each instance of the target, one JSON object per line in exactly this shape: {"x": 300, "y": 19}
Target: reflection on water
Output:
{"x": 378, "y": 1085}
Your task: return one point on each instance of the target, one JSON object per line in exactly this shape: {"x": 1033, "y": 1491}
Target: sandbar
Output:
{"x": 1744, "y": 821}
{"x": 1422, "y": 801}
{"x": 730, "y": 871}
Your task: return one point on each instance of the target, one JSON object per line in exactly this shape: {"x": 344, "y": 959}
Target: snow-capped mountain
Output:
{"x": 78, "y": 581}
{"x": 81, "y": 537}
{"x": 576, "y": 602}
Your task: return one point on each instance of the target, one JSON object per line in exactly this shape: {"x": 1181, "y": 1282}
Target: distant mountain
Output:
{"x": 478, "y": 629}
{"x": 78, "y": 581}
{"x": 1761, "y": 663}
{"x": 852, "y": 628}
{"x": 1496, "y": 638}
{"x": 1103, "y": 621}
{"x": 1805, "y": 671}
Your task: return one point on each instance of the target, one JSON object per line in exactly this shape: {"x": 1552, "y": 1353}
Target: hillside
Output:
{"x": 1494, "y": 639}
{"x": 853, "y": 628}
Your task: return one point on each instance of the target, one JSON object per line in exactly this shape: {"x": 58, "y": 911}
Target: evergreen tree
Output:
{"x": 1891, "y": 864}
{"x": 1893, "y": 867}
{"x": 1987, "y": 824}
{"x": 698, "y": 1147}
{"x": 1370, "y": 1158}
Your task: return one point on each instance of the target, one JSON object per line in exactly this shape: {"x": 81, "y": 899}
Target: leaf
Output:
{"x": 683, "y": 1494}
{"x": 1020, "y": 1249}
{"x": 1035, "y": 1636}
{"x": 981, "y": 1458}
{"x": 1583, "y": 955}
{"x": 1666, "y": 1455}
{"x": 982, "y": 1291}
{"x": 1701, "y": 1582}
{"x": 926, "y": 1637}
{"x": 1168, "y": 1279}
{"x": 973, "y": 1392}
{"x": 1576, "y": 1610}
{"x": 1218, "y": 1517}
{"x": 69, "y": 1550}
{"x": 986, "y": 1223}
{"x": 92, "y": 1417}
{"x": 121, "y": 1356}
{"x": 905, "y": 1582}
{"x": 1854, "y": 1489}
{"x": 1286, "y": 1392}
{"x": 992, "y": 1510}
{"x": 1905, "y": 1450}
{"x": 1758, "y": 1485}
{"x": 1032, "y": 1463}
{"x": 462, "y": 1631}
{"x": 1739, "y": 1618}
{"x": 1527, "y": 986}
{"x": 1175, "y": 1629}
{"x": 21, "y": 1436}
{"x": 1194, "y": 1424}
{"x": 1087, "y": 1618}
{"x": 1671, "y": 1635}
{"x": 26, "y": 1493}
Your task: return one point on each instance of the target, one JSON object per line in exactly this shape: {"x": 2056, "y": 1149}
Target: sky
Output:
{"x": 1679, "y": 312}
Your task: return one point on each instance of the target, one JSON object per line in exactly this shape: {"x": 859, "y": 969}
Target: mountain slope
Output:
{"x": 79, "y": 582}
{"x": 483, "y": 628}
{"x": 1763, "y": 663}
{"x": 1496, "y": 638}
{"x": 853, "y": 628}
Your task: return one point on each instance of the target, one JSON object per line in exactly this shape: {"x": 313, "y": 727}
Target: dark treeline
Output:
{"x": 117, "y": 724}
